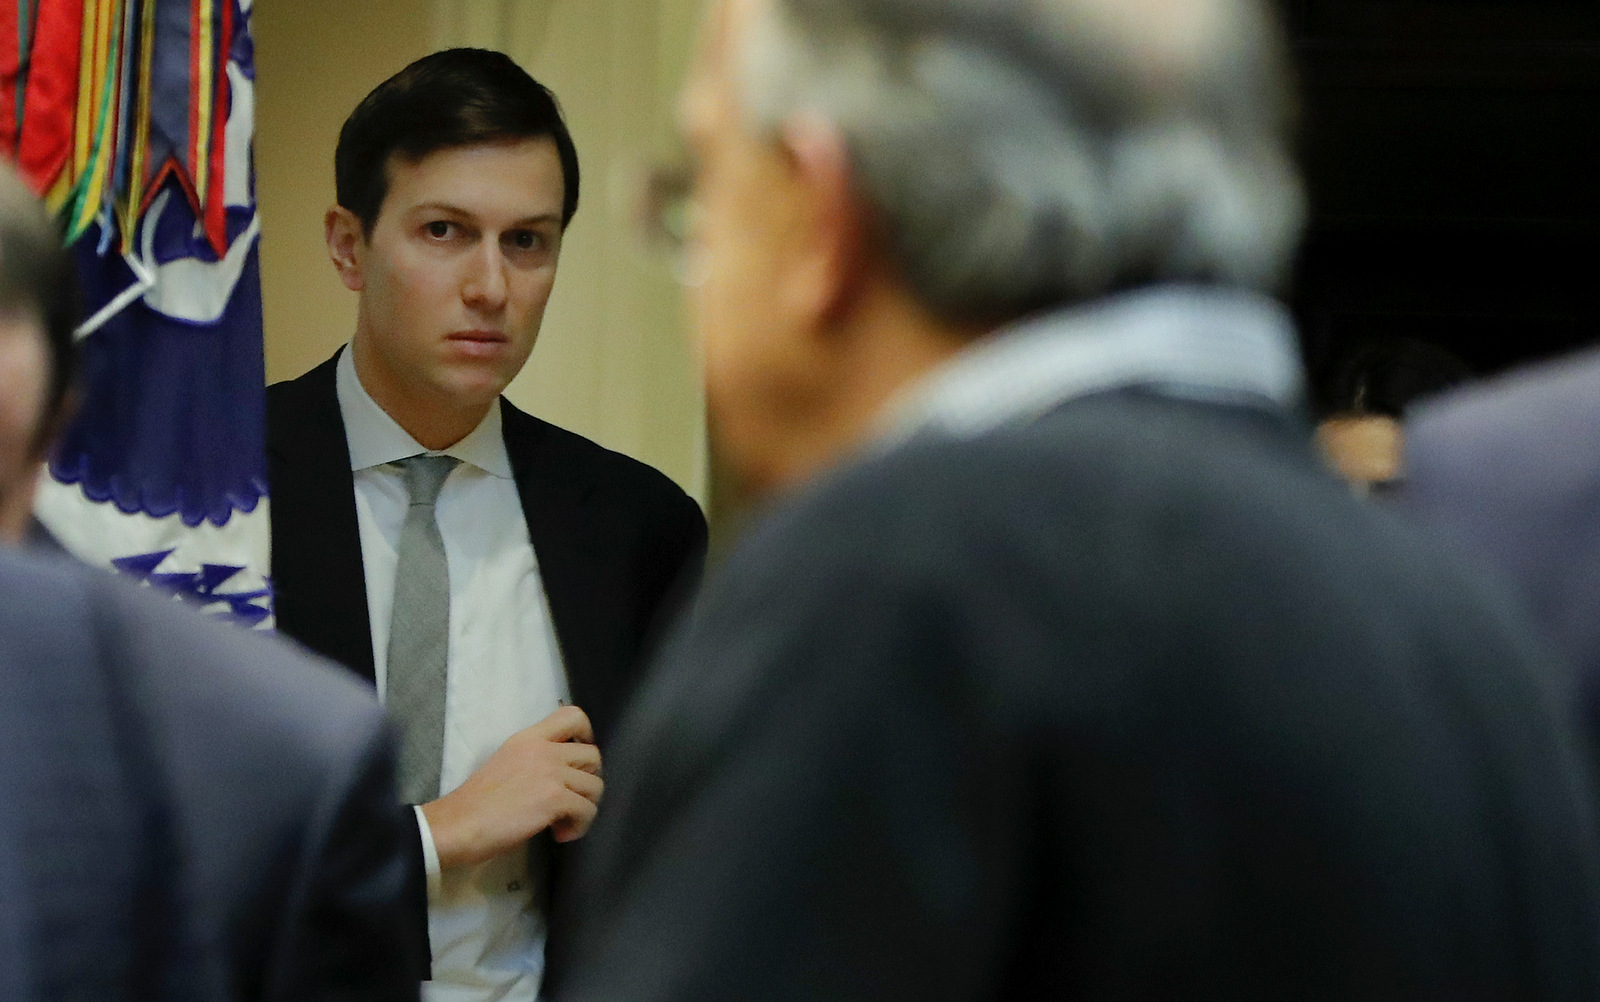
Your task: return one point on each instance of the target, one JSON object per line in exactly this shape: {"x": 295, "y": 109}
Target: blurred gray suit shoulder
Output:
{"x": 1509, "y": 471}
{"x": 1131, "y": 701}
{"x": 271, "y": 774}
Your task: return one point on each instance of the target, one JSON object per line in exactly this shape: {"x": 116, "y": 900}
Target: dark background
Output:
{"x": 1452, "y": 152}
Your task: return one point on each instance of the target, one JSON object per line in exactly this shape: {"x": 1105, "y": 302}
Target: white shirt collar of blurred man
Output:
{"x": 1214, "y": 344}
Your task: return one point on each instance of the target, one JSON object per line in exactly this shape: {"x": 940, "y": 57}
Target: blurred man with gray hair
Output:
{"x": 1056, "y": 667}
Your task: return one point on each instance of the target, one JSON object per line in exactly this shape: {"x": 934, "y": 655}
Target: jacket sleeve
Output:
{"x": 679, "y": 563}
{"x": 363, "y": 933}
{"x": 416, "y": 892}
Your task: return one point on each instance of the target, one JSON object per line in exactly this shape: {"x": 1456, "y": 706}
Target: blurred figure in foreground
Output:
{"x": 188, "y": 811}
{"x": 1510, "y": 471}
{"x": 1058, "y": 667}
{"x": 1364, "y": 402}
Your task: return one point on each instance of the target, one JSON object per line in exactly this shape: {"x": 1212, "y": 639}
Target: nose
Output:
{"x": 483, "y": 282}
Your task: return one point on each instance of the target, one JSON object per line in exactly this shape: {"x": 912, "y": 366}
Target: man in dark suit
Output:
{"x": 1509, "y": 471}
{"x": 189, "y": 812}
{"x": 497, "y": 578}
{"x": 1057, "y": 667}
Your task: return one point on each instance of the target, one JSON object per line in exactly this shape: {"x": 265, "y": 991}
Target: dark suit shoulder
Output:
{"x": 86, "y": 812}
{"x": 281, "y": 776}
{"x": 237, "y": 688}
{"x": 643, "y": 507}
{"x": 1141, "y": 653}
{"x": 265, "y": 762}
{"x": 598, "y": 466}
{"x": 1115, "y": 462}
{"x": 1123, "y": 535}
{"x": 1521, "y": 407}
{"x": 307, "y": 399}
{"x": 313, "y": 379}
{"x": 1508, "y": 471}
{"x": 1524, "y": 443}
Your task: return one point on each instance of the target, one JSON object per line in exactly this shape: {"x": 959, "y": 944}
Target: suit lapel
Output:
{"x": 319, "y": 584}
{"x": 553, "y": 486}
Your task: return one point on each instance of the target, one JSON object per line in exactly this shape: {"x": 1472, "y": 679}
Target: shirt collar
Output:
{"x": 1224, "y": 345}
{"x": 375, "y": 438}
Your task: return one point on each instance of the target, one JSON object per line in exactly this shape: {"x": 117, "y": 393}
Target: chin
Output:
{"x": 474, "y": 384}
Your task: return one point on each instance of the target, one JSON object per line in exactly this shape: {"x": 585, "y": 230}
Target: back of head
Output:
{"x": 1027, "y": 154}
{"x": 39, "y": 287}
{"x": 453, "y": 98}
{"x": 1386, "y": 375}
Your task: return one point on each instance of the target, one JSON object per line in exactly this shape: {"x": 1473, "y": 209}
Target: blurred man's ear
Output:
{"x": 835, "y": 250}
{"x": 346, "y": 239}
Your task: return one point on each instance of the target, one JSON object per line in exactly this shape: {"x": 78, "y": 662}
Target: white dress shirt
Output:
{"x": 504, "y": 674}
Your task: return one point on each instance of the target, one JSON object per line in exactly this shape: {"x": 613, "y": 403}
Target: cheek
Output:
{"x": 723, "y": 325}
{"x": 733, "y": 287}
{"x": 23, "y": 370}
{"x": 524, "y": 317}
{"x": 742, "y": 368}
{"x": 413, "y": 298}
{"x": 533, "y": 295}
{"x": 744, "y": 339}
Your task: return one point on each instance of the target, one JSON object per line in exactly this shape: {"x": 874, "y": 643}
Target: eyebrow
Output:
{"x": 456, "y": 210}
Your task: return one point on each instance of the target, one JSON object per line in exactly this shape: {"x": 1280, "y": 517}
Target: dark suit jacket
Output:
{"x": 1510, "y": 472}
{"x": 618, "y": 544}
{"x": 1133, "y": 701}
{"x": 198, "y": 813}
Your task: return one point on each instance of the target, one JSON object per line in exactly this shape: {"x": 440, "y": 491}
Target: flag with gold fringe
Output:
{"x": 134, "y": 120}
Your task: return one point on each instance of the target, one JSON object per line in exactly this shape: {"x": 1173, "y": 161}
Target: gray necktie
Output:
{"x": 419, "y": 633}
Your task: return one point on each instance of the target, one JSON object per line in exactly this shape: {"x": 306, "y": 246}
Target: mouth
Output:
{"x": 478, "y": 337}
{"x": 485, "y": 346}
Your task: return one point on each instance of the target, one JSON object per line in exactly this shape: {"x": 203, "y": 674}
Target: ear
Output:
{"x": 346, "y": 242}
{"x": 834, "y": 251}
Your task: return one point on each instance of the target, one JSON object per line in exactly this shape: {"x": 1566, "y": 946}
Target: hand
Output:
{"x": 544, "y": 776}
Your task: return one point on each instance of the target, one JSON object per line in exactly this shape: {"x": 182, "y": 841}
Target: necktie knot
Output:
{"x": 425, "y": 476}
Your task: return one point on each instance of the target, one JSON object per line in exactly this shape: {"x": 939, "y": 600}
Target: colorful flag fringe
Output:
{"x": 134, "y": 120}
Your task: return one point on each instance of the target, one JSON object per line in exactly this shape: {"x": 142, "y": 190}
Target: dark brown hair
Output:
{"x": 453, "y": 98}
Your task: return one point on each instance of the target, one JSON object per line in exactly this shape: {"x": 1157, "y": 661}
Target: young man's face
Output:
{"x": 455, "y": 275}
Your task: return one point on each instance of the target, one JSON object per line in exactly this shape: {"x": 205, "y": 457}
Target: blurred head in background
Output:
{"x": 880, "y": 182}
{"x": 1363, "y": 401}
{"x": 38, "y": 311}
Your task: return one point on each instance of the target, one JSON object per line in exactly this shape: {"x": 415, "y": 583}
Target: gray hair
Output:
{"x": 1026, "y": 154}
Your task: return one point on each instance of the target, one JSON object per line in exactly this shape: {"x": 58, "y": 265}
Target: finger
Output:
{"x": 574, "y": 820}
{"x": 582, "y": 756}
{"x": 585, "y": 785}
{"x": 566, "y": 724}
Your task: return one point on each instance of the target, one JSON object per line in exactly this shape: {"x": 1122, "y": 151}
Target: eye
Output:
{"x": 525, "y": 240}
{"x": 440, "y": 229}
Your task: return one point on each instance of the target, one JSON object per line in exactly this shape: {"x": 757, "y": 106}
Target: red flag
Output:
{"x": 10, "y": 68}
{"x": 51, "y": 100}
{"x": 216, "y": 208}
